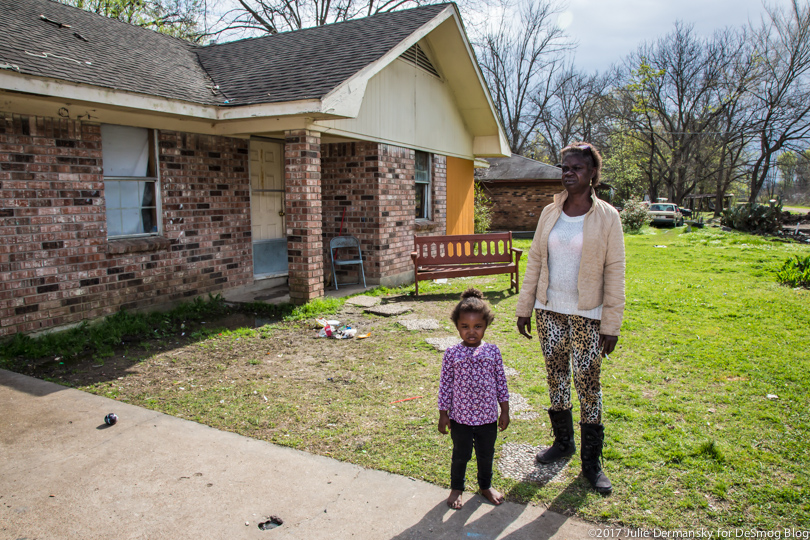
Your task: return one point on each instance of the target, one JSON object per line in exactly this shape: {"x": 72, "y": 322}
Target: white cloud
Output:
{"x": 607, "y": 30}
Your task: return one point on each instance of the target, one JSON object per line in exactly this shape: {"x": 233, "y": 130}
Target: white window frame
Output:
{"x": 427, "y": 183}
{"x": 152, "y": 175}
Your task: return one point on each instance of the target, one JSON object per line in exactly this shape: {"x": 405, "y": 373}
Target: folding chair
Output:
{"x": 340, "y": 242}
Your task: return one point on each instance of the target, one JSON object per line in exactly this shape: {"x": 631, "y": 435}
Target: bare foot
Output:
{"x": 492, "y": 496}
{"x": 454, "y": 500}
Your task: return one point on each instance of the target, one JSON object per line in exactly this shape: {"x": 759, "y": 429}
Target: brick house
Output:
{"x": 137, "y": 169}
{"x": 519, "y": 188}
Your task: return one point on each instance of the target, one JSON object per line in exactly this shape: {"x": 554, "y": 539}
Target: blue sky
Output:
{"x": 607, "y": 30}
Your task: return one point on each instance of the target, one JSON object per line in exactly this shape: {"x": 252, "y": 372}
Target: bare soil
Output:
{"x": 275, "y": 348}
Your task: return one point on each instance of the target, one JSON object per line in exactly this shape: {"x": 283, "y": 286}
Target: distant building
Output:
{"x": 520, "y": 188}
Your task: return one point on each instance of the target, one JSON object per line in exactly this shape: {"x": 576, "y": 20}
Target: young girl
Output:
{"x": 472, "y": 386}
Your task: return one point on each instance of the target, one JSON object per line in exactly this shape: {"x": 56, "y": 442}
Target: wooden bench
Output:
{"x": 436, "y": 257}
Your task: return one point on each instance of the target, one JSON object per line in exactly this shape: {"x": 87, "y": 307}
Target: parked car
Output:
{"x": 685, "y": 211}
{"x": 666, "y": 214}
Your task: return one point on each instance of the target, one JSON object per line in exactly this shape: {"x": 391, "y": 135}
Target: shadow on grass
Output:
{"x": 493, "y": 297}
{"x": 572, "y": 498}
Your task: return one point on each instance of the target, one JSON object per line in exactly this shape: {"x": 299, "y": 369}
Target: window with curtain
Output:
{"x": 423, "y": 181}
{"x": 130, "y": 180}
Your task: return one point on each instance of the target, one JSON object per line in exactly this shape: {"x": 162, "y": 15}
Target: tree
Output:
{"x": 621, "y": 166}
{"x": 729, "y": 152}
{"x": 576, "y": 111}
{"x": 681, "y": 87}
{"x": 787, "y": 163}
{"x": 179, "y": 18}
{"x": 794, "y": 170}
{"x": 252, "y": 17}
{"x": 520, "y": 61}
{"x": 482, "y": 210}
{"x": 633, "y": 112}
{"x": 782, "y": 94}
{"x": 724, "y": 152}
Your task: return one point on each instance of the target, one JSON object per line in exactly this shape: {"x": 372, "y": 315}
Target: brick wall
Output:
{"x": 396, "y": 179}
{"x": 439, "y": 215}
{"x": 304, "y": 215}
{"x": 351, "y": 198}
{"x": 374, "y": 184}
{"x": 57, "y": 266}
{"x": 517, "y": 207}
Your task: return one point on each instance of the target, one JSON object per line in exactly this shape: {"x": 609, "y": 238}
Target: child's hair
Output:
{"x": 472, "y": 301}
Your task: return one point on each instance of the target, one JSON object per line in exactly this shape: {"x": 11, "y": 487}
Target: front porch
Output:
{"x": 337, "y": 187}
{"x": 276, "y": 291}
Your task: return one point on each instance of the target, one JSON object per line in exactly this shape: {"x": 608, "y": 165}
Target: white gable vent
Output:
{"x": 416, "y": 56}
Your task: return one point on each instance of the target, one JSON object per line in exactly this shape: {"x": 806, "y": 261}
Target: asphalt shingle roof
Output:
{"x": 290, "y": 66}
{"x": 307, "y": 63}
{"x": 108, "y": 53}
{"x": 517, "y": 167}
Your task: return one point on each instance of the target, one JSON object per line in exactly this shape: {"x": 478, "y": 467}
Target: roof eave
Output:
{"x": 61, "y": 89}
{"x": 489, "y": 146}
{"x": 69, "y": 91}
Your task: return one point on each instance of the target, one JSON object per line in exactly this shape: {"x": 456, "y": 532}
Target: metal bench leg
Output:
{"x": 334, "y": 274}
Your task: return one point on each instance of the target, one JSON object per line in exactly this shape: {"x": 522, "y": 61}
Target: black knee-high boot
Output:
{"x": 593, "y": 437}
{"x": 562, "y": 424}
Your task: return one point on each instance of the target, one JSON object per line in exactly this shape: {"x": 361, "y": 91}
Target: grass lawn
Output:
{"x": 706, "y": 397}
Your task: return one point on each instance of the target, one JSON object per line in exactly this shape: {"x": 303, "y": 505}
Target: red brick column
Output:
{"x": 439, "y": 214}
{"x": 302, "y": 181}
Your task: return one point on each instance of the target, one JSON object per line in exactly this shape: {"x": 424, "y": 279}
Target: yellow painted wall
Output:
{"x": 460, "y": 196}
{"x": 407, "y": 106}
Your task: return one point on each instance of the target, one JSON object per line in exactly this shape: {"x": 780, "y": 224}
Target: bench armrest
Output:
{"x": 414, "y": 256}
{"x": 518, "y": 252}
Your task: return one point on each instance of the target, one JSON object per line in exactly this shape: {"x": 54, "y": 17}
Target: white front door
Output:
{"x": 267, "y": 208}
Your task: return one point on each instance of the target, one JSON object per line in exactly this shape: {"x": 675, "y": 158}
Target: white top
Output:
{"x": 564, "y": 255}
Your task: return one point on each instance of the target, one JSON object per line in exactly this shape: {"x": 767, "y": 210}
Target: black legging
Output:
{"x": 465, "y": 438}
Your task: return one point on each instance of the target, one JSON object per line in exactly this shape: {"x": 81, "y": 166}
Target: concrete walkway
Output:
{"x": 65, "y": 474}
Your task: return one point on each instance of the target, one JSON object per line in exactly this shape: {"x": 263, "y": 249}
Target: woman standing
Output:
{"x": 574, "y": 281}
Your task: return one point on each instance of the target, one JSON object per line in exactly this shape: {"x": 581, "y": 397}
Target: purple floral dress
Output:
{"x": 472, "y": 384}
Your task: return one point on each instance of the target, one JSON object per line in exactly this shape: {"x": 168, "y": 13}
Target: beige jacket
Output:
{"x": 601, "y": 270}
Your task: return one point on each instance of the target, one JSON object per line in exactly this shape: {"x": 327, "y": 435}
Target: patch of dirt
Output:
{"x": 288, "y": 350}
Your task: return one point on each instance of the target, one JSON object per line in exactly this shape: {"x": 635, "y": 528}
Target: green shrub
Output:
{"x": 634, "y": 216}
{"x": 482, "y": 211}
{"x": 753, "y": 217}
{"x": 102, "y": 337}
{"x": 795, "y": 272}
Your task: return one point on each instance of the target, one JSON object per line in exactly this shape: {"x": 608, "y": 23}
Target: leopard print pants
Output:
{"x": 566, "y": 341}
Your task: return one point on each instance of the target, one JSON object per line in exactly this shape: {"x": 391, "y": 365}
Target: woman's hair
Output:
{"x": 587, "y": 150}
{"x": 472, "y": 301}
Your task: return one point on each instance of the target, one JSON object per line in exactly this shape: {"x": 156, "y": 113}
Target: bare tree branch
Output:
{"x": 520, "y": 62}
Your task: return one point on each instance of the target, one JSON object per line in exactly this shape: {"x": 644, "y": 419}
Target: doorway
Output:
{"x": 268, "y": 226}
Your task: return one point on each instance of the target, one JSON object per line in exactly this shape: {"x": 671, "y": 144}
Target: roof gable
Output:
{"x": 308, "y": 63}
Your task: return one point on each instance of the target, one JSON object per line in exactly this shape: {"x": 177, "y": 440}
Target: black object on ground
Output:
{"x": 271, "y": 523}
